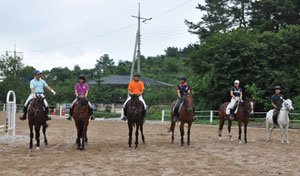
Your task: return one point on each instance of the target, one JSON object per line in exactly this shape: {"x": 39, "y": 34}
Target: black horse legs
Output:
{"x": 130, "y": 134}
{"x": 245, "y": 132}
{"x": 182, "y": 134}
{"x": 31, "y": 137}
{"x": 142, "y": 133}
{"x": 137, "y": 136}
{"x": 37, "y": 136}
{"x": 189, "y": 133}
{"x": 45, "y": 138}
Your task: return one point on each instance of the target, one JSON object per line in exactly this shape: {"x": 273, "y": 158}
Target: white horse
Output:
{"x": 282, "y": 120}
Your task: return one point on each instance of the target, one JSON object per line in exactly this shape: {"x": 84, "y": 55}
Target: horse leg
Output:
{"x": 44, "y": 132}
{"x": 281, "y": 133}
{"x": 31, "y": 137}
{"x": 245, "y": 132}
{"x": 37, "y": 136}
{"x": 240, "y": 131}
{"x": 137, "y": 135}
{"x": 222, "y": 119}
{"x": 189, "y": 133}
{"x": 182, "y": 133}
{"x": 286, "y": 133}
{"x": 83, "y": 140}
{"x": 130, "y": 134}
{"x": 229, "y": 129}
{"x": 78, "y": 140}
{"x": 268, "y": 130}
{"x": 85, "y": 136}
{"x": 142, "y": 133}
{"x": 172, "y": 128}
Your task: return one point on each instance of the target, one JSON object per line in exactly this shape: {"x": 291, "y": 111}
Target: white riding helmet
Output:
{"x": 237, "y": 81}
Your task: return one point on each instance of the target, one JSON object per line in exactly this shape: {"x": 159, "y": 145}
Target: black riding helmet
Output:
{"x": 277, "y": 87}
{"x": 82, "y": 77}
{"x": 182, "y": 77}
{"x": 136, "y": 74}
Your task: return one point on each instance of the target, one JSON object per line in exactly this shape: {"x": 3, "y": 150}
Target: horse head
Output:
{"x": 38, "y": 105}
{"x": 188, "y": 101}
{"x": 249, "y": 103}
{"x": 288, "y": 104}
{"x": 83, "y": 101}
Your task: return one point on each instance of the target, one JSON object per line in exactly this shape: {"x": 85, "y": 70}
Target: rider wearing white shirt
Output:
{"x": 37, "y": 88}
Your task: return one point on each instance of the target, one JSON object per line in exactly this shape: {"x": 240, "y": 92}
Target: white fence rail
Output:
{"x": 211, "y": 116}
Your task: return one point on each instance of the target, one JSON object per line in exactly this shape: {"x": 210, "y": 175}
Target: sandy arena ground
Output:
{"x": 107, "y": 152}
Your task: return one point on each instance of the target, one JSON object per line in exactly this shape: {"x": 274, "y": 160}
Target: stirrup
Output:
{"x": 48, "y": 118}
{"x": 195, "y": 119}
{"x": 69, "y": 118}
{"x": 22, "y": 118}
{"x": 124, "y": 118}
{"x": 92, "y": 117}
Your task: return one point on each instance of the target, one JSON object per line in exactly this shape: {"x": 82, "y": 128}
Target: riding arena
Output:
{"x": 107, "y": 151}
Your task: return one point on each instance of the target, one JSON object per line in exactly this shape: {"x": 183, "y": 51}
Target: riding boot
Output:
{"x": 275, "y": 119}
{"x": 91, "y": 113}
{"x": 231, "y": 114}
{"x": 144, "y": 115}
{"x": 125, "y": 114}
{"x": 46, "y": 113}
{"x": 25, "y": 113}
{"x": 70, "y": 114}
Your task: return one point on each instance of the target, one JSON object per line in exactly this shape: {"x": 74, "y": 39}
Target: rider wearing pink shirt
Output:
{"x": 81, "y": 90}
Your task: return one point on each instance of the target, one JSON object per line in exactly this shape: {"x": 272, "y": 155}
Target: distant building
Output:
{"x": 123, "y": 81}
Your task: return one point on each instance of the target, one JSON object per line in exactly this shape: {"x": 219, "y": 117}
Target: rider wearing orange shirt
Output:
{"x": 135, "y": 87}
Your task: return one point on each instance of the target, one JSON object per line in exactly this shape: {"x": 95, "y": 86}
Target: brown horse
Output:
{"x": 135, "y": 117}
{"x": 37, "y": 118}
{"x": 81, "y": 117}
{"x": 242, "y": 116}
{"x": 186, "y": 114}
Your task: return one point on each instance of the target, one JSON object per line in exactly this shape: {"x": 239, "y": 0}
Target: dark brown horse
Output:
{"x": 186, "y": 115}
{"x": 135, "y": 118}
{"x": 37, "y": 118}
{"x": 81, "y": 117}
{"x": 242, "y": 116}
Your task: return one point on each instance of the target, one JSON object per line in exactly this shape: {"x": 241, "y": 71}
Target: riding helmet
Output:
{"x": 277, "y": 87}
{"x": 81, "y": 77}
{"x": 136, "y": 74}
{"x": 237, "y": 81}
{"x": 37, "y": 72}
{"x": 182, "y": 77}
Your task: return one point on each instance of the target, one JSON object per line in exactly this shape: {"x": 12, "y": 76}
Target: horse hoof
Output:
{"x": 30, "y": 150}
{"x": 83, "y": 149}
{"x": 287, "y": 142}
{"x": 240, "y": 141}
{"x": 220, "y": 138}
{"x": 37, "y": 148}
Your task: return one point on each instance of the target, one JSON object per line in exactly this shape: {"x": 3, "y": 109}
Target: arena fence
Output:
{"x": 213, "y": 115}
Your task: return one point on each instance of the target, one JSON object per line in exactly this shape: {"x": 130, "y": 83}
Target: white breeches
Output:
{"x": 140, "y": 98}
{"x": 233, "y": 101}
{"x": 31, "y": 96}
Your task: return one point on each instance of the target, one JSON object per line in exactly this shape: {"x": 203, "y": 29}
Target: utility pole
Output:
{"x": 139, "y": 37}
{"x": 15, "y": 57}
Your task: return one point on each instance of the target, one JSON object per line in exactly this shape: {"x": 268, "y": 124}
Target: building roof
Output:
{"x": 123, "y": 81}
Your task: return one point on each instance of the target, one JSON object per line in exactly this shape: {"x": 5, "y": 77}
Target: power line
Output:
{"x": 167, "y": 11}
{"x": 85, "y": 40}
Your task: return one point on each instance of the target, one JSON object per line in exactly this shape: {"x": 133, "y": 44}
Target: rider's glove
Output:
{"x": 53, "y": 92}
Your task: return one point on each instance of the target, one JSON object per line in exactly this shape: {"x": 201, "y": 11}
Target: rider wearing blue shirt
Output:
{"x": 236, "y": 94}
{"x": 37, "y": 88}
{"x": 182, "y": 89}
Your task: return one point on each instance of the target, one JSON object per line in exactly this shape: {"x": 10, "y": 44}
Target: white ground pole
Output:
{"x": 10, "y": 124}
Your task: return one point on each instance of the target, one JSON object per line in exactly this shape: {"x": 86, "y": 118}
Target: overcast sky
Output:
{"x": 63, "y": 33}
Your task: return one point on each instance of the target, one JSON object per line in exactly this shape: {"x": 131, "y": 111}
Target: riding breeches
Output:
{"x": 90, "y": 105}
{"x": 31, "y": 96}
{"x": 233, "y": 102}
{"x": 177, "y": 104}
{"x": 140, "y": 98}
